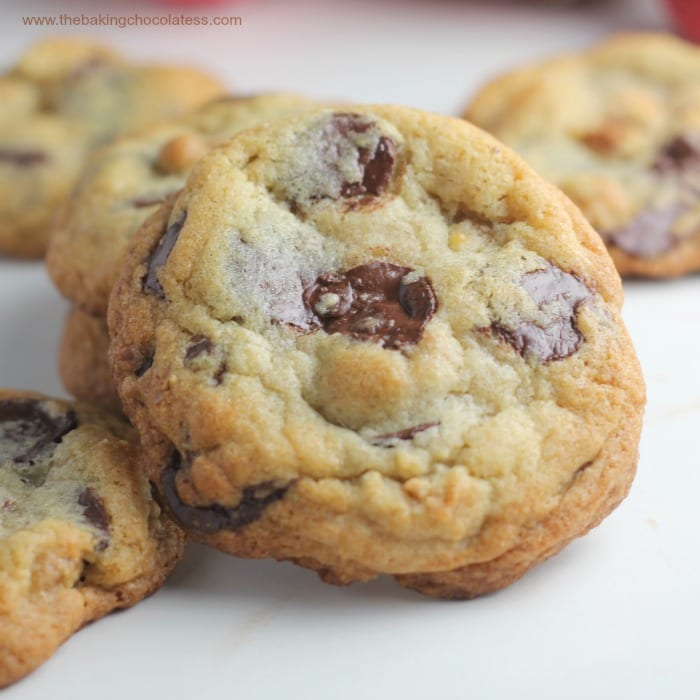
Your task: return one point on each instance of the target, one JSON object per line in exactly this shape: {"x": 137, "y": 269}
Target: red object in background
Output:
{"x": 687, "y": 16}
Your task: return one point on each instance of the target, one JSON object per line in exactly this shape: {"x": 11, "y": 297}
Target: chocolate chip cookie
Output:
{"x": 375, "y": 341}
{"x": 124, "y": 182}
{"x": 62, "y": 98}
{"x": 617, "y": 127}
{"x": 80, "y": 534}
{"x": 83, "y": 363}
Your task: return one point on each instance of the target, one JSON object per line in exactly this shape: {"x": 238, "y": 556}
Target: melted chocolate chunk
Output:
{"x": 373, "y": 302}
{"x": 160, "y": 256}
{"x": 23, "y": 159}
{"x": 212, "y": 519}
{"x": 29, "y": 430}
{"x": 376, "y": 165}
{"x": 94, "y": 509}
{"x": 388, "y": 439}
{"x": 650, "y": 233}
{"x": 198, "y": 344}
{"x": 561, "y": 338}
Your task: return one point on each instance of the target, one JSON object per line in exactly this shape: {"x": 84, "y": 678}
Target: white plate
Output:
{"x": 616, "y": 615}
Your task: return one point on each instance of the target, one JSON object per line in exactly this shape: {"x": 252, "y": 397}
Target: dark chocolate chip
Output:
{"x": 141, "y": 202}
{"x": 376, "y": 166}
{"x": 94, "y": 509}
{"x": 680, "y": 153}
{"x": 145, "y": 365}
{"x": 379, "y": 168}
{"x": 198, "y": 344}
{"x": 212, "y": 519}
{"x": 160, "y": 256}
{"x": 218, "y": 376}
{"x": 561, "y": 338}
{"x": 29, "y": 429}
{"x": 23, "y": 159}
{"x": 648, "y": 234}
{"x": 373, "y": 302}
{"x": 388, "y": 439}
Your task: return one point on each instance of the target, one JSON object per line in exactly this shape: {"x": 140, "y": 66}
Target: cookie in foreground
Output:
{"x": 62, "y": 98}
{"x": 375, "y": 341}
{"x": 617, "y": 127}
{"x": 80, "y": 534}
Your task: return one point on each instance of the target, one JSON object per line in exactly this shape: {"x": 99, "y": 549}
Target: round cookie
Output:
{"x": 80, "y": 534}
{"x": 375, "y": 341}
{"x": 62, "y": 98}
{"x": 124, "y": 182}
{"x": 83, "y": 363}
{"x": 617, "y": 127}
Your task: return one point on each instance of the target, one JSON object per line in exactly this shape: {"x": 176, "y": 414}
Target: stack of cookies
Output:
{"x": 365, "y": 339}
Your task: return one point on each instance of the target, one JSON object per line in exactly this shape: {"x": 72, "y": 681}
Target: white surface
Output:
{"x": 616, "y": 615}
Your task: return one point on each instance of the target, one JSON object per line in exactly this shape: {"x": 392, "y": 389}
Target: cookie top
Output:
{"x": 80, "y": 533}
{"x": 371, "y": 338}
{"x": 125, "y": 181}
{"x": 617, "y": 127}
{"x": 63, "y": 97}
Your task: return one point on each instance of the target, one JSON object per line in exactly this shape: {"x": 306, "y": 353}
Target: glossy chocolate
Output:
{"x": 212, "y": 519}
{"x": 373, "y": 302}
{"x": 561, "y": 338}
{"x": 376, "y": 166}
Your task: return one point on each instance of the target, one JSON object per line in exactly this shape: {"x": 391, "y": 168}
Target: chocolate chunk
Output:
{"x": 94, "y": 509}
{"x": 27, "y": 429}
{"x": 379, "y": 302}
{"x": 388, "y": 439}
{"x": 145, "y": 365}
{"x": 23, "y": 159}
{"x": 218, "y": 376}
{"x": 141, "y": 202}
{"x": 648, "y": 234}
{"x": 359, "y": 163}
{"x": 212, "y": 519}
{"x": 550, "y": 288}
{"x": 198, "y": 344}
{"x": 160, "y": 256}
{"x": 679, "y": 154}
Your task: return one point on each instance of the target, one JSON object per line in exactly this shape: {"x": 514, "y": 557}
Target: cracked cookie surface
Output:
{"x": 374, "y": 341}
{"x": 617, "y": 127}
{"x": 124, "y": 182}
{"x": 80, "y": 534}
{"x": 62, "y": 98}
